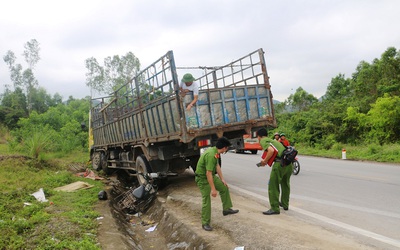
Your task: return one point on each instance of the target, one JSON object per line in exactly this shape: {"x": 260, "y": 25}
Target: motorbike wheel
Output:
{"x": 296, "y": 167}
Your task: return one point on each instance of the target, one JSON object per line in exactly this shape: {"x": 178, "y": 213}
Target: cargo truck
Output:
{"x": 144, "y": 127}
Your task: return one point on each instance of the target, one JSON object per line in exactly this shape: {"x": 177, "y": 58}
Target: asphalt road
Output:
{"x": 347, "y": 197}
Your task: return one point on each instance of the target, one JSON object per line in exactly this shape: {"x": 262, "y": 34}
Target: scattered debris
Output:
{"x": 74, "y": 186}
{"x": 147, "y": 223}
{"x": 102, "y": 195}
{"x": 77, "y": 167}
{"x": 89, "y": 174}
{"x": 39, "y": 195}
{"x": 151, "y": 229}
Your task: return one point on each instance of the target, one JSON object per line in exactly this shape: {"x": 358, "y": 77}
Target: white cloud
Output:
{"x": 307, "y": 43}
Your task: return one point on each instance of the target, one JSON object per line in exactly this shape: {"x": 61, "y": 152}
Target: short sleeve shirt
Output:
{"x": 194, "y": 87}
{"x": 208, "y": 162}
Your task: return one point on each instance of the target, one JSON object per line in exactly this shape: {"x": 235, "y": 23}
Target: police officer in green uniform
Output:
{"x": 279, "y": 177}
{"x": 208, "y": 183}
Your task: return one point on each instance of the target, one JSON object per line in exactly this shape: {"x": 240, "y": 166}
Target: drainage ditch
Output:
{"x": 157, "y": 228}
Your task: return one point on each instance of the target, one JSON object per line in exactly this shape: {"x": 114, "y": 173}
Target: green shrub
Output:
{"x": 337, "y": 147}
{"x": 328, "y": 142}
{"x": 37, "y": 143}
{"x": 373, "y": 149}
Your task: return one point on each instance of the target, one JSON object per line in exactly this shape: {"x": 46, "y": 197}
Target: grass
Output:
{"x": 66, "y": 221}
{"x": 371, "y": 152}
{"x": 4, "y": 149}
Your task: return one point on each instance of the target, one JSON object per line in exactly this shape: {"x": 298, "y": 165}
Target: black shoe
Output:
{"x": 230, "y": 211}
{"x": 284, "y": 208}
{"x": 207, "y": 227}
{"x": 270, "y": 212}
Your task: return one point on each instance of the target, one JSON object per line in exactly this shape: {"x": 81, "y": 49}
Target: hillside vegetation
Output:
{"x": 360, "y": 114}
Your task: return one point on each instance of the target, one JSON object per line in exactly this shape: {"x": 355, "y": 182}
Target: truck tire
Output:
{"x": 104, "y": 165}
{"x": 254, "y": 152}
{"x": 194, "y": 161}
{"x": 97, "y": 161}
{"x": 142, "y": 166}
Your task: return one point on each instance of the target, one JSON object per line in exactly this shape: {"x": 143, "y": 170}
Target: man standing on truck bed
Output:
{"x": 207, "y": 166}
{"x": 187, "y": 85}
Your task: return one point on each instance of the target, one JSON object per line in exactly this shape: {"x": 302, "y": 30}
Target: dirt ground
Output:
{"x": 175, "y": 215}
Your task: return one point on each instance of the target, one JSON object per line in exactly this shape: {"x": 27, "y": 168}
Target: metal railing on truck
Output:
{"x": 233, "y": 97}
{"x": 149, "y": 108}
{"x": 144, "y": 108}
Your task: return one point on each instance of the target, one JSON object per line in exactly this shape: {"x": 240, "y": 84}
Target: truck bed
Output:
{"x": 234, "y": 98}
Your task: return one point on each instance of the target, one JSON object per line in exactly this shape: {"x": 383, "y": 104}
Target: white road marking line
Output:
{"x": 348, "y": 227}
{"x": 337, "y": 204}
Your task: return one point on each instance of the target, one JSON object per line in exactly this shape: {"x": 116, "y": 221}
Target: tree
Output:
{"x": 15, "y": 69}
{"x": 61, "y": 126}
{"x": 40, "y": 100}
{"x": 31, "y": 53}
{"x": 338, "y": 88}
{"x": 371, "y": 81}
{"x": 95, "y": 76}
{"x": 357, "y": 110}
{"x": 383, "y": 119}
{"x": 117, "y": 71}
{"x": 389, "y": 69}
{"x": 24, "y": 78}
{"x": 301, "y": 100}
{"x": 13, "y": 106}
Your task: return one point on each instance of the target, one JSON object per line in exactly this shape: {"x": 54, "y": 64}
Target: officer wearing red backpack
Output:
{"x": 279, "y": 177}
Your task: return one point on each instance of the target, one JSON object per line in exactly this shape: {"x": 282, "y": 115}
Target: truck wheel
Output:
{"x": 254, "y": 152}
{"x": 142, "y": 166}
{"x": 104, "y": 164}
{"x": 96, "y": 161}
{"x": 193, "y": 162}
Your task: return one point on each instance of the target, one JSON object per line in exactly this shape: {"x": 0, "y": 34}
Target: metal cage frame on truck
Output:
{"x": 144, "y": 126}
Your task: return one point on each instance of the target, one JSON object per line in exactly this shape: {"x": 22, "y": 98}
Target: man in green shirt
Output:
{"x": 279, "y": 177}
{"x": 208, "y": 183}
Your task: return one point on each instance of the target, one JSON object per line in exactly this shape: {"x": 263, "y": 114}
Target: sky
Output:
{"x": 306, "y": 42}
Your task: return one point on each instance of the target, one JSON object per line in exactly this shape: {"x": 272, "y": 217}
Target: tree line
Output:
{"x": 362, "y": 109}
{"x": 33, "y": 121}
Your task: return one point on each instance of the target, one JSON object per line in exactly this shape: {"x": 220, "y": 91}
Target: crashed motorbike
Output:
{"x": 139, "y": 199}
